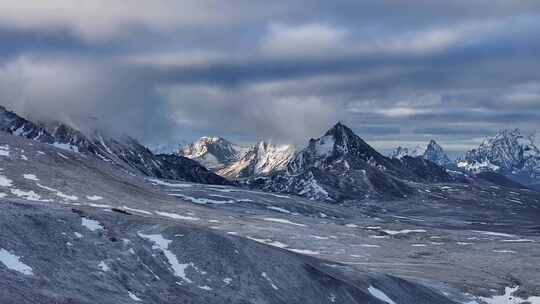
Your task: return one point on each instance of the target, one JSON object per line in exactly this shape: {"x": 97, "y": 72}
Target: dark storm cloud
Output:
{"x": 395, "y": 71}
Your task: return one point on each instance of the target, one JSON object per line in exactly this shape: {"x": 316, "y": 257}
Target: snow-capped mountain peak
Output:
{"x": 340, "y": 165}
{"x": 213, "y": 152}
{"x": 341, "y": 140}
{"x": 260, "y": 159}
{"x": 509, "y": 152}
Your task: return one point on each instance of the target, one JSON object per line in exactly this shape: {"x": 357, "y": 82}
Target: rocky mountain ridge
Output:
{"x": 237, "y": 162}
{"x": 341, "y": 166}
{"x": 432, "y": 152}
{"x": 509, "y": 152}
{"x": 123, "y": 151}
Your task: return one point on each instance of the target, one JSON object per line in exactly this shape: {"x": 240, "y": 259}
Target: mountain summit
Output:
{"x": 432, "y": 152}
{"x": 237, "y": 162}
{"x": 510, "y": 153}
{"x": 341, "y": 166}
{"x": 261, "y": 159}
{"x": 213, "y": 152}
{"x": 435, "y": 153}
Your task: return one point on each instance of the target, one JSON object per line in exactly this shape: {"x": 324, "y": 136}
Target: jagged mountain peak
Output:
{"x": 340, "y": 130}
{"x": 213, "y": 152}
{"x": 435, "y": 153}
{"x": 509, "y": 152}
{"x": 510, "y": 137}
{"x": 262, "y": 158}
{"x": 338, "y": 141}
{"x": 340, "y": 165}
{"x": 432, "y": 152}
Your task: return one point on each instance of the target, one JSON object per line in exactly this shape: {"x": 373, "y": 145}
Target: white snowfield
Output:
{"x": 506, "y": 298}
{"x": 377, "y": 293}
{"x": 59, "y": 193}
{"x": 31, "y": 177}
{"x": 94, "y": 197}
{"x": 5, "y": 182}
{"x": 404, "y": 231}
{"x": 161, "y": 243}
{"x": 177, "y": 216}
{"x": 283, "y": 221}
{"x": 4, "y": 150}
{"x": 134, "y": 297}
{"x": 91, "y": 225}
{"x": 13, "y": 262}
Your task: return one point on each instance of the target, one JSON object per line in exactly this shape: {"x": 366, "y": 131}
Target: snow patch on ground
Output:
{"x": 519, "y": 241}
{"x": 370, "y": 246}
{"x": 59, "y": 193}
{"x": 94, "y": 197}
{"x": 177, "y": 216}
{"x": 283, "y": 221}
{"x": 266, "y": 277}
{"x": 268, "y": 242}
{"x": 134, "y": 297}
{"x": 5, "y": 182}
{"x": 202, "y": 201}
{"x": 507, "y": 298}
{"x": 163, "y": 183}
{"x": 100, "y": 206}
{"x": 495, "y": 234}
{"x": 13, "y": 262}
{"x": 275, "y": 195}
{"x": 478, "y": 166}
{"x": 377, "y": 293}
{"x": 4, "y": 150}
{"x": 161, "y": 243}
{"x": 136, "y": 210}
{"x": 504, "y": 251}
{"x": 304, "y": 251}
{"x": 205, "y": 287}
{"x": 31, "y": 177}
{"x": 404, "y": 231}
{"x": 91, "y": 225}
{"x": 278, "y": 209}
{"x": 28, "y": 195}
{"x": 104, "y": 267}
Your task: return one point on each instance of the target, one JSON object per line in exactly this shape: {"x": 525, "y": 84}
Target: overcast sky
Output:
{"x": 397, "y": 72}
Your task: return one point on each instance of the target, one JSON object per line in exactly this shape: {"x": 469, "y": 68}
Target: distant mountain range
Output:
{"x": 509, "y": 153}
{"x": 123, "y": 151}
{"x": 235, "y": 161}
{"x": 340, "y": 166}
{"x": 336, "y": 167}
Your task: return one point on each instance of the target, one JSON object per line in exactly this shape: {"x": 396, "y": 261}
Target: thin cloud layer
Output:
{"x": 397, "y": 72}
